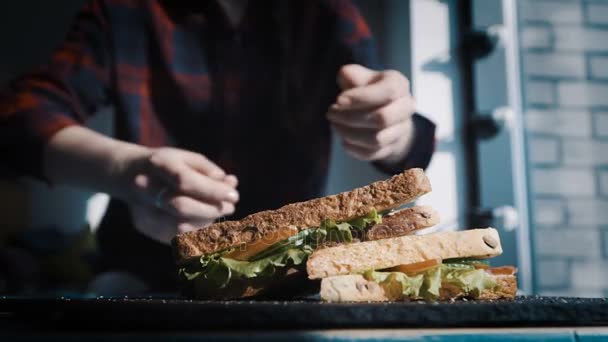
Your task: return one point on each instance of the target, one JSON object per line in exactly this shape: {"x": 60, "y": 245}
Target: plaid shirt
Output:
{"x": 252, "y": 99}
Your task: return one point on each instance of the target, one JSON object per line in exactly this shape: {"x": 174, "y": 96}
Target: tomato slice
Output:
{"x": 503, "y": 270}
{"x": 481, "y": 265}
{"x": 245, "y": 252}
{"x": 416, "y": 267}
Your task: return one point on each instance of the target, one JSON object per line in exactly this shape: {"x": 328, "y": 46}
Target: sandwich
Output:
{"x": 438, "y": 266}
{"x": 265, "y": 254}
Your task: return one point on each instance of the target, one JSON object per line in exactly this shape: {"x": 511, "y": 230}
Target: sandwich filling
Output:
{"x": 219, "y": 268}
{"x": 467, "y": 276}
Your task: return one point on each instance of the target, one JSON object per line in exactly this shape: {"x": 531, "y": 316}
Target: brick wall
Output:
{"x": 565, "y": 61}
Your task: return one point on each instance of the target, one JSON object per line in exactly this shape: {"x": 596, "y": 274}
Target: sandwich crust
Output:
{"x": 411, "y": 249}
{"x": 382, "y": 195}
{"x": 355, "y": 288}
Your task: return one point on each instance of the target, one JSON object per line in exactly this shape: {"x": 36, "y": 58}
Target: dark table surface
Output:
{"x": 150, "y": 314}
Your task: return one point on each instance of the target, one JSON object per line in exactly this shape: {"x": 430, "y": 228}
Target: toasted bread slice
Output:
{"x": 381, "y": 195}
{"x": 382, "y": 254}
{"x": 403, "y": 222}
{"x": 355, "y": 288}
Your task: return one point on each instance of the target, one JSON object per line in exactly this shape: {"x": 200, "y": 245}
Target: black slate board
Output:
{"x": 124, "y": 314}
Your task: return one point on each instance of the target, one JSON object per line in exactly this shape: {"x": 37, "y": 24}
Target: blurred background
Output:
{"x": 518, "y": 89}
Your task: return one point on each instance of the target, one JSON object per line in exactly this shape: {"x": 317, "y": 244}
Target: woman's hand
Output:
{"x": 172, "y": 191}
{"x": 373, "y": 114}
{"x": 168, "y": 190}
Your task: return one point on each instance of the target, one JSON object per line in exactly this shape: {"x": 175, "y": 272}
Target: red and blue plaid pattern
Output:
{"x": 253, "y": 99}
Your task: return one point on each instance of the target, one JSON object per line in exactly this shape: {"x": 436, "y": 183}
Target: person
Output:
{"x": 222, "y": 108}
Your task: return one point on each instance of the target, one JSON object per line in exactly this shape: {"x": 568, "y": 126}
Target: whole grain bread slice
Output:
{"x": 410, "y": 249}
{"x": 403, "y": 222}
{"x": 355, "y": 288}
{"x": 382, "y": 195}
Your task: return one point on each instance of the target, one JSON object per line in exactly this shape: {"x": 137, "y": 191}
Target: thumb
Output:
{"x": 355, "y": 75}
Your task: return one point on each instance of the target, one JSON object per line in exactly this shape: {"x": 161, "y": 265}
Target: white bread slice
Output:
{"x": 355, "y": 288}
{"x": 381, "y": 254}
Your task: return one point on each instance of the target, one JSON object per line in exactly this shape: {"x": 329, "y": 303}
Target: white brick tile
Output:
{"x": 582, "y": 243}
{"x": 536, "y": 37}
{"x": 553, "y": 273}
{"x": 577, "y": 38}
{"x": 559, "y": 123}
{"x": 587, "y": 212}
{"x": 584, "y": 152}
{"x": 549, "y": 64}
{"x": 549, "y": 212}
{"x": 600, "y": 124}
{"x": 588, "y": 94}
{"x": 597, "y": 13}
{"x": 560, "y": 181}
{"x": 603, "y": 179}
{"x": 543, "y": 150}
{"x": 556, "y": 12}
{"x": 598, "y": 66}
{"x": 592, "y": 274}
{"x": 540, "y": 92}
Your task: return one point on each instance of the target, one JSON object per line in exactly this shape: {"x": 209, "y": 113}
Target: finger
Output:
{"x": 371, "y": 139}
{"x": 355, "y": 75}
{"x": 185, "y": 227}
{"x": 231, "y": 180}
{"x": 171, "y": 161}
{"x": 190, "y": 210}
{"x": 155, "y": 192}
{"x": 227, "y": 208}
{"x": 380, "y": 117}
{"x": 166, "y": 166}
{"x": 205, "y": 189}
{"x": 353, "y": 118}
{"x": 189, "y": 226}
{"x": 200, "y": 163}
{"x": 388, "y": 88}
{"x": 187, "y": 181}
{"x": 366, "y": 154}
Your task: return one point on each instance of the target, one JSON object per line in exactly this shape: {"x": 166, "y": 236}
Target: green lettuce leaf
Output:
{"x": 330, "y": 231}
{"x": 396, "y": 283}
{"x": 432, "y": 283}
{"x": 250, "y": 269}
{"x": 427, "y": 284}
{"x": 471, "y": 281}
{"x": 292, "y": 251}
{"x": 465, "y": 262}
{"x": 220, "y": 270}
{"x": 361, "y": 223}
